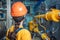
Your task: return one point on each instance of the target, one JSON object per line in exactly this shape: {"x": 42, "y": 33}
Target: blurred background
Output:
{"x": 35, "y": 7}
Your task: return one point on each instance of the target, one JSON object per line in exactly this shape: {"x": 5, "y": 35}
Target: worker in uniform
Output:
{"x": 17, "y": 32}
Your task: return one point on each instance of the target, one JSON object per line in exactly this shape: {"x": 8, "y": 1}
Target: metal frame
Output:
{"x": 9, "y": 18}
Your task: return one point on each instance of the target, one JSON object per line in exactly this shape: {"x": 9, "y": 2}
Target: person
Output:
{"x": 18, "y": 12}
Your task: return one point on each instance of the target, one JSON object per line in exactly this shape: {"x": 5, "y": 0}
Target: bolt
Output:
{"x": 59, "y": 14}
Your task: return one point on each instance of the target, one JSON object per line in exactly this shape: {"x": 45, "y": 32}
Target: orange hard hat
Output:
{"x": 18, "y": 9}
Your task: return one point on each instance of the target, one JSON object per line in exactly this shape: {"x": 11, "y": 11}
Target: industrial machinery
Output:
{"x": 35, "y": 26}
{"x": 3, "y": 28}
{"x": 52, "y": 15}
{"x": 3, "y": 15}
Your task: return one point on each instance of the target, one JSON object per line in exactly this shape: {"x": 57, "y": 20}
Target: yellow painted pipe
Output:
{"x": 53, "y": 15}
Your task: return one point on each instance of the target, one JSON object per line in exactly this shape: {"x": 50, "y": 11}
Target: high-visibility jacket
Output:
{"x": 23, "y": 34}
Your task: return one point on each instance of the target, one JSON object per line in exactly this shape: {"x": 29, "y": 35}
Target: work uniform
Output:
{"x": 18, "y": 12}
{"x": 23, "y": 34}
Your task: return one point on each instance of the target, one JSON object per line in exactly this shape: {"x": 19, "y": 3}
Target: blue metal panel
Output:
{"x": 37, "y": 4}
